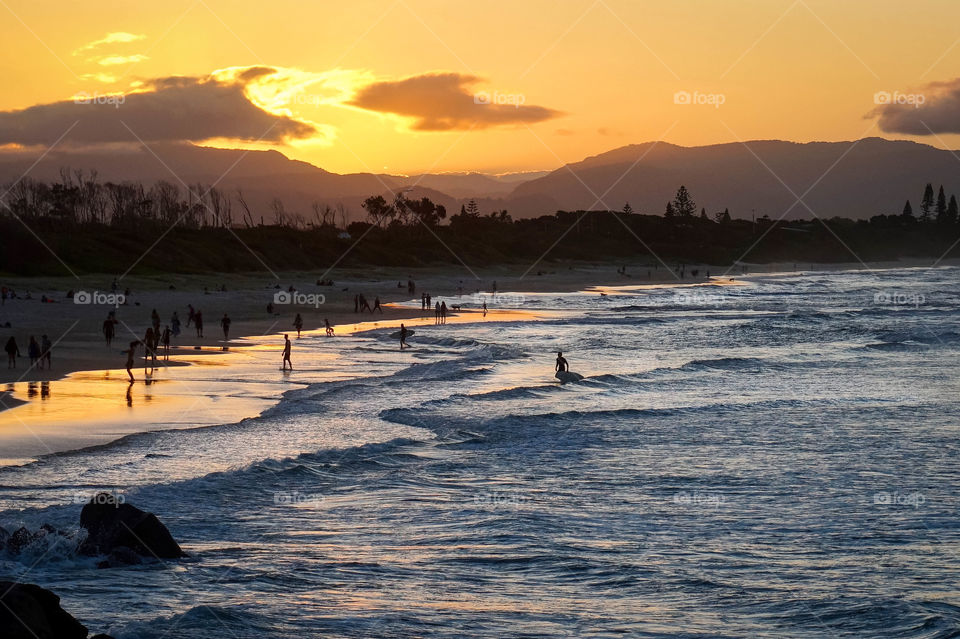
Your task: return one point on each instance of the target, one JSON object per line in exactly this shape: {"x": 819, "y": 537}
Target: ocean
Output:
{"x": 771, "y": 457}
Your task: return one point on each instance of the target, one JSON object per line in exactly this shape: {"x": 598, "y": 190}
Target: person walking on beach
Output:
{"x": 225, "y": 324}
{"x": 298, "y": 324}
{"x": 286, "y": 353}
{"x": 198, "y": 322}
{"x": 131, "y": 353}
{"x": 148, "y": 347}
{"x": 109, "y": 328}
{"x": 165, "y": 342}
{"x": 364, "y": 304}
{"x": 191, "y": 314}
{"x": 376, "y": 305}
{"x": 326, "y": 325}
{"x": 12, "y": 352}
{"x": 443, "y": 312}
{"x": 403, "y": 337}
{"x": 45, "y": 355}
{"x": 436, "y": 314}
{"x": 484, "y": 307}
{"x": 562, "y": 364}
{"x": 33, "y": 351}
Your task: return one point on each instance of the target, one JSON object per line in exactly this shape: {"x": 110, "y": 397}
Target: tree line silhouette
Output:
{"x": 104, "y": 227}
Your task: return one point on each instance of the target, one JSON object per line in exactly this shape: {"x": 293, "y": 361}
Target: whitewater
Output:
{"x": 770, "y": 457}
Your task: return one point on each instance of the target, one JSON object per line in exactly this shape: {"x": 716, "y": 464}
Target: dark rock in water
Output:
{"x": 112, "y": 524}
{"x": 121, "y": 556}
{"x": 31, "y": 612}
{"x": 19, "y": 540}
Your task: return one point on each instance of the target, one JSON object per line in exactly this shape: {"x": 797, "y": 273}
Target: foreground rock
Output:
{"x": 123, "y": 531}
{"x": 31, "y": 612}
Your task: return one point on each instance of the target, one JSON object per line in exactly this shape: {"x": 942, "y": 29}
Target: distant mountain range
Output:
{"x": 851, "y": 179}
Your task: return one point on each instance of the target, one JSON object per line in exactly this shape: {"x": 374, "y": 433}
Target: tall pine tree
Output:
{"x": 907, "y": 210}
{"x": 941, "y": 206}
{"x": 952, "y": 212}
{"x": 683, "y": 204}
{"x": 926, "y": 203}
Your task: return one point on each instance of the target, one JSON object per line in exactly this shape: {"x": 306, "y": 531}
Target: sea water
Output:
{"x": 769, "y": 457}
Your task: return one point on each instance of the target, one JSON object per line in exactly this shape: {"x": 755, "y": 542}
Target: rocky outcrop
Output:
{"x": 117, "y": 529}
{"x": 31, "y": 612}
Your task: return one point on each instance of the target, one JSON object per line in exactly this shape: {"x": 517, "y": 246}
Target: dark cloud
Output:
{"x": 171, "y": 109}
{"x": 932, "y": 110}
{"x": 443, "y": 102}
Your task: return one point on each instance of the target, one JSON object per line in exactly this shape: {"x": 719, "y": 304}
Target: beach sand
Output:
{"x": 85, "y": 398}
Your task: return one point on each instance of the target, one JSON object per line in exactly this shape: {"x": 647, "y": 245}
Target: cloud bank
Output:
{"x": 166, "y": 109}
{"x": 443, "y": 102}
{"x": 933, "y": 110}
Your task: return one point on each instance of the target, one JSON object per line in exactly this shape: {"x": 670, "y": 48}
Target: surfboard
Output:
{"x": 396, "y": 335}
{"x": 568, "y": 376}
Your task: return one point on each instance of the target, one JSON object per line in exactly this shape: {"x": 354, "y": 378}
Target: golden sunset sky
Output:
{"x": 388, "y": 85}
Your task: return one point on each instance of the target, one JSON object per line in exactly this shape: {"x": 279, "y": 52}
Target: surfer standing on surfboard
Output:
{"x": 562, "y": 364}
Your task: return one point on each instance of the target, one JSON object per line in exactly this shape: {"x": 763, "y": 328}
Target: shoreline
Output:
{"x": 98, "y": 388}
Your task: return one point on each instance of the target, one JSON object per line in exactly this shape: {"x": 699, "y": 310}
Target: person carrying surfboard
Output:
{"x": 403, "y": 337}
{"x": 562, "y": 364}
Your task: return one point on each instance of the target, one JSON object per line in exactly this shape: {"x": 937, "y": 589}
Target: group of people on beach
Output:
{"x": 39, "y": 352}
{"x": 360, "y": 304}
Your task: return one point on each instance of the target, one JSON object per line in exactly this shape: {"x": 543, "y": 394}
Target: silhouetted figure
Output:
{"x": 286, "y": 352}
{"x": 562, "y": 364}
{"x": 131, "y": 353}
{"x": 175, "y": 324}
{"x": 109, "y": 328}
{"x": 33, "y": 351}
{"x": 12, "y": 352}
{"x": 191, "y": 314}
{"x": 165, "y": 342}
{"x": 484, "y": 308}
{"x": 356, "y": 303}
{"x": 149, "y": 350}
{"x": 376, "y": 305}
{"x": 225, "y": 325}
{"x": 436, "y": 313}
{"x": 155, "y": 320}
{"x": 403, "y": 337}
{"x": 443, "y": 312}
{"x": 423, "y": 301}
{"x": 298, "y": 324}
{"x": 198, "y": 322}
{"x": 326, "y": 325}
{"x": 364, "y": 304}
{"x": 45, "y": 355}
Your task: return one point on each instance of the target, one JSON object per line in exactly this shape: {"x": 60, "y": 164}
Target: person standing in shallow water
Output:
{"x": 131, "y": 353}
{"x": 13, "y": 352}
{"x": 286, "y": 352}
{"x": 562, "y": 364}
{"x": 443, "y": 312}
{"x": 225, "y": 324}
{"x": 436, "y": 314}
{"x": 298, "y": 324}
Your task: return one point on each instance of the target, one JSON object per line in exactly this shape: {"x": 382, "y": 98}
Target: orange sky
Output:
{"x": 591, "y": 74}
